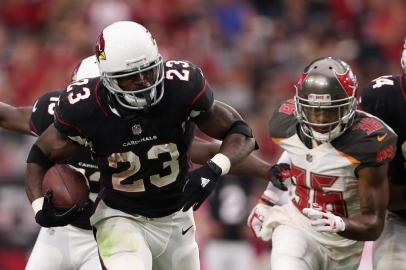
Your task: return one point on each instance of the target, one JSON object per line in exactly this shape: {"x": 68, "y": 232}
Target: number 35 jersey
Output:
{"x": 142, "y": 155}
{"x": 327, "y": 174}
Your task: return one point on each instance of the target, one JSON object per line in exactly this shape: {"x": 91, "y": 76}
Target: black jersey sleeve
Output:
{"x": 204, "y": 96}
{"x": 376, "y": 96}
{"x": 75, "y": 108}
{"x": 186, "y": 86}
{"x": 43, "y": 112}
{"x": 67, "y": 115}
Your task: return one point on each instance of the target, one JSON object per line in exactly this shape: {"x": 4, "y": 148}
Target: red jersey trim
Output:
{"x": 33, "y": 128}
{"x": 200, "y": 93}
{"x": 402, "y": 78}
{"x": 60, "y": 121}
{"x": 98, "y": 102}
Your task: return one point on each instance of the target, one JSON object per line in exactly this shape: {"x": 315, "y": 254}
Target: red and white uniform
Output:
{"x": 325, "y": 174}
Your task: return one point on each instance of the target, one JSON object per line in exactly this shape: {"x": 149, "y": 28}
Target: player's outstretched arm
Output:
{"x": 368, "y": 226}
{"x": 50, "y": 147}
{"x": 15, "y": 118}
{"x": 373, "y": 192}
{"x": 252, "y": 165}
{"x": 225, "y": 124}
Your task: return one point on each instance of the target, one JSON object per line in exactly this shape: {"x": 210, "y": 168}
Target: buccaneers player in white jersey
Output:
{"x": 339, "y": 159}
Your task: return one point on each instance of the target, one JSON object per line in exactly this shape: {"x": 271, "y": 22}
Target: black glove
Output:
{"x": 199, "y": 184}
{"x": 49, "y": 216}
{"x": 278, "y": 173}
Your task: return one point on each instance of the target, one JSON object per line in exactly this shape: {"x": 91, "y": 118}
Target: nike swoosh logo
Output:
{"x": 380, "y": 138}
{"x": 185, "y": 231}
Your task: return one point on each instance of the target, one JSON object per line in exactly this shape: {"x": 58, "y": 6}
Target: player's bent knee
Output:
{"x": 283, "y": 262}
{"x": 126, "y": 260}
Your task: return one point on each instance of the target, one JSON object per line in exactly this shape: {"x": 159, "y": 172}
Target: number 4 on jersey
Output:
{"x": 384, "y": 80}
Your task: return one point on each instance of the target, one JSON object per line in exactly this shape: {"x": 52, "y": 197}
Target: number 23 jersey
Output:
{"x": 142, "y": 156}
{"x": 327, "y": 174}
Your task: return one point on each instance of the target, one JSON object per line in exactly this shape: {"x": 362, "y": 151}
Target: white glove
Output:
{"x": 323, "y": 220}
{"x": 271, "y": 196}
{"x": 274, "y": 196}
{"x": 256, "y": 218}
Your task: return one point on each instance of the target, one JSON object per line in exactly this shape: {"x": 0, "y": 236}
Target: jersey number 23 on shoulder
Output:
{"x": 76, "y": 96}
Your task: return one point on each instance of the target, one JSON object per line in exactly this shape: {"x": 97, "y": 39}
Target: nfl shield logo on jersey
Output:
{"x": 309, "y": 158}
{"x": 136, "y": 129}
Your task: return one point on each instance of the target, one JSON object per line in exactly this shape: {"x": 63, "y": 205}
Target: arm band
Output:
{"x": 37, "y": 156}
{"x": 240, "y": 127}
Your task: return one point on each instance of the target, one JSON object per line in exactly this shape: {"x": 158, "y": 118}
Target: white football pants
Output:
{"x": 389, "y": 251}
{"x": 225, "y": 255}
{"x": 64, "y": 248}
{"x": 292, "y": 248}
{"x": 134, "y": 242}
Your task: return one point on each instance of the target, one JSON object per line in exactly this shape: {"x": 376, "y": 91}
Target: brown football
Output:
{"x": 68, "y": 186}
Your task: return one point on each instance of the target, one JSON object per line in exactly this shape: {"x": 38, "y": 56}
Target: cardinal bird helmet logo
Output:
{"x": 100, "y": 54}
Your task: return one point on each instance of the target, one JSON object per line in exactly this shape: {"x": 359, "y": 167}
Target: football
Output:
{"x": 69, "y": 187}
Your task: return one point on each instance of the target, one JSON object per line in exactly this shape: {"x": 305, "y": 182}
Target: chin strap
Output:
{"x": 327, "y": 137}
{"x": 148, "y": 102}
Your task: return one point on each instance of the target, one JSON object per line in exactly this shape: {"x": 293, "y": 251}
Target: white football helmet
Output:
{"x": 128, "y": 58}
{"x": 325, "y": 99}
{"x": 88, "y": 68}
{"x": 403, "y": 58}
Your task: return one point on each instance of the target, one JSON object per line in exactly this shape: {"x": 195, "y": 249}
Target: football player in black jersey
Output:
{"x": 339, "y": 158}
{"x": 73, "y": 246}
{"x": 385, "y": 97}
{"x": 138, "y": 119}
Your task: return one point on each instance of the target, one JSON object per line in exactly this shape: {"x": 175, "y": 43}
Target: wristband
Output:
{"x": 37, "y": 204}
{"x": 223, "y": 162}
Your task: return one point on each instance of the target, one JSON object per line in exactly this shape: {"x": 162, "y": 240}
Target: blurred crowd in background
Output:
{"x": 251, "y": 52}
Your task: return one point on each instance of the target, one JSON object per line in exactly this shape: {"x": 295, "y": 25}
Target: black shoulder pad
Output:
{"x": 379, "y": 97}
{"x": 186, "y": 83}
{"x": 43, "y": 111}
{"x": 283, "y": 121}
{"x": 76, "y": 105}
